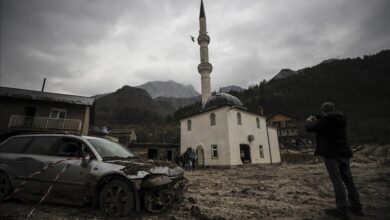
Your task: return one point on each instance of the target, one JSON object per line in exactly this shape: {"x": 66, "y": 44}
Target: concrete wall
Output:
{"x": 228, "y": 135}
{"x": 205, "y": 135}
{"x": 162, "y": 152}
{"x": 275, "y": 150}
{"x": 238, "y": 134}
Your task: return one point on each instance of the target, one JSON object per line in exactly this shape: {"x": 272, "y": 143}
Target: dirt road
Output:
{"x": 286, "y": 191}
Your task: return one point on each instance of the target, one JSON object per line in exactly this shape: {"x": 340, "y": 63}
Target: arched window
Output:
{"x": 212, "y": 119}
{"x": 258, "y": 122}
{"x": 239, "y": 118}
{"x": 189, "y": 123}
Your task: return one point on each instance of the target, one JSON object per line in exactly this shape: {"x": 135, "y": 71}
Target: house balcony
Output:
{"x": 43, "y": 123}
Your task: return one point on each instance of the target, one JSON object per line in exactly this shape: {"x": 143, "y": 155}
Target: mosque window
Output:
{"x": 261, "y": 151}
{"x": 258, "y": 122}
{"x": 212, "y": 119}
{"x": 214, "y": 151}
{"x": 239, "y": 118}
{"x": 189, "y": 124}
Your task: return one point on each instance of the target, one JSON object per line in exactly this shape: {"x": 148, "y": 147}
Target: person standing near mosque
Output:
{"x": 331, "y": 144}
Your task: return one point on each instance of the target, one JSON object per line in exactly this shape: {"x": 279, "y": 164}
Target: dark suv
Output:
{"x": 78, "y": 170}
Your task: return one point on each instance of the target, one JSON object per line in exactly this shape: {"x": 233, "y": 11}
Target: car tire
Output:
{"x": 5, "y": 186}
{"x": 116, "y": 198}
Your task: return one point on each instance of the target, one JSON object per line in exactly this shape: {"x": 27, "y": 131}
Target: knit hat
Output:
{"x": 328, "y": 107}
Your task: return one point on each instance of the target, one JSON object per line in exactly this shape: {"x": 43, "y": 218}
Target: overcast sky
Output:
{"x": 88, "y": 47}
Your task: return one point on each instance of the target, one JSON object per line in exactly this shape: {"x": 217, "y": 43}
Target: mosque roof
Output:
{"x": 222, "y": 99}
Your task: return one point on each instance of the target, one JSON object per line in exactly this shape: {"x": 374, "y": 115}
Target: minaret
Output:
{"x": 204, "y": 68}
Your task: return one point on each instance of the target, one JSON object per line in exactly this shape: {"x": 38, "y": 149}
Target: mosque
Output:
{"x": 224, "y": 133}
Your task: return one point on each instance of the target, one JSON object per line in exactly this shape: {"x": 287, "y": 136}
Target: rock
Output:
{"x": 271, "y": 197}
{"x": 203, "y": 217}
{"x": 195, "y": 211}
{"x": 186, "y": 209}
{"x": 217, "y": 217}
{"x": 192, "y": 200}
{"x": 245, "y": 190}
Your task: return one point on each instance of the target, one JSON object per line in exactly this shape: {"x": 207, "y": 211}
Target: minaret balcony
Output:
{"x": 203, "y": 38}
{"x": 205, "y": 67}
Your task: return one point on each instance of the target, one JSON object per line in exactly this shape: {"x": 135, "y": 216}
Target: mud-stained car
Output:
{"x": 80, "y": 170}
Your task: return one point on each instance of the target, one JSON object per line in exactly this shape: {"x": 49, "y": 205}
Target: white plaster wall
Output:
{"x": 228, "y": 135}
{"x": 238, "y": 134}
{"x": 275, "y": 151}
{"x": 202, "y": 133}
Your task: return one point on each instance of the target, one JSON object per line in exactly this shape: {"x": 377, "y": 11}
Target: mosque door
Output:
{"x": 245, "y": 153}
{"x": 200, "y": 153}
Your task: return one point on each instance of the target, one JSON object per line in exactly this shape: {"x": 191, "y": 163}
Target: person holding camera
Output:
{"x": 331, "y": 144}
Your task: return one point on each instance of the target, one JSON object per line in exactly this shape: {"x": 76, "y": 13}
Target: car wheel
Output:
{"x": 5, "y": 186}
{"x": 116, "y": 198}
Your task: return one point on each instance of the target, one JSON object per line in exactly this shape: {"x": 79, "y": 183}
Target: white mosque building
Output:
{"x": 223, "y": 133}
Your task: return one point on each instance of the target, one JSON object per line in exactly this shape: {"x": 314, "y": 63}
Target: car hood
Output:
{"x": 139, "y": 168}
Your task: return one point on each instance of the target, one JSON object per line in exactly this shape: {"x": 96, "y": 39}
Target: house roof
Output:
{"x": 45, "y": 96}
{"x": 281, "y": 112}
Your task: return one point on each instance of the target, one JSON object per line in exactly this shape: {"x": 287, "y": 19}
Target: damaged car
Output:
{"x": 80, "y": 170}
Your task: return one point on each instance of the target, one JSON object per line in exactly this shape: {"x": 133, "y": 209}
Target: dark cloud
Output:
{"x": 97, "y": 46}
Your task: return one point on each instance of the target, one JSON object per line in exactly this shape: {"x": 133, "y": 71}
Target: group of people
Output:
{"x": 188, "y": 159}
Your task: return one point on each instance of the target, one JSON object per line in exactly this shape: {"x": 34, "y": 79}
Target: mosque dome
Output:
{"x": 222, "y": 99}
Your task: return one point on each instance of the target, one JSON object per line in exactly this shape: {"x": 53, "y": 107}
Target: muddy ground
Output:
{"x": 296, "y": 189}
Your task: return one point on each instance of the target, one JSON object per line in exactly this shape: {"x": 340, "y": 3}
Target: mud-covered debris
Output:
{"x": 192, "y": 200}
{"x": 217, "y": 217}
{"x": 219, "y": 196}
{"x": 245, "y": 191}
{"x": 172, "y": 218}
{"x": 195, "y": 211}
{"x": 131, "y": 167}
{"x": 214, "y": 194}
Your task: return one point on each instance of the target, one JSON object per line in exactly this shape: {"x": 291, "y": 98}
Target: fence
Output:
{"x": 44, "y": 123}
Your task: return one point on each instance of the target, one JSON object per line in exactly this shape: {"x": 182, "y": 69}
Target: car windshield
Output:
{"x": 111, "y": 150}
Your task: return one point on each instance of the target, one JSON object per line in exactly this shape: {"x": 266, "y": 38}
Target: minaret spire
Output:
{"x": 204, "y": 68}
{"x": 202, "y": 14}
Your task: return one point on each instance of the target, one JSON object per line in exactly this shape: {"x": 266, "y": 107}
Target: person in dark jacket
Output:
{"x": 331, "y": 143}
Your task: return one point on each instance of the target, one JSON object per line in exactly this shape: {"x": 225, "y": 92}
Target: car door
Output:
{"x": 10, "y": 153}
{"x": 72, "y": 186}
{"x": 33, "y": 165}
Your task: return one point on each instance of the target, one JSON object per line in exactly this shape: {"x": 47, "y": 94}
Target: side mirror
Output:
{"x": 85, "y": 160}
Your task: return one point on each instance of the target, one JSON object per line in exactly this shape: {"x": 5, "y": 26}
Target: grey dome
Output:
{"x": 222, "y": 99}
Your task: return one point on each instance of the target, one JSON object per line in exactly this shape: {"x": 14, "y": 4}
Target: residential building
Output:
{"x": 28, "y": 110}
{"x": 160, "y": 151}
{"x": 287, "y": 127}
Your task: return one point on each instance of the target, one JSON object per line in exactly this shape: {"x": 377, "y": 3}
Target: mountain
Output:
{"x": 178, "y": 102}
{"x": 169, "y": 89}
{"x": 129, "y": 105}
{"x": 358, "y": 87}
{"x": 284, "y": 73}
{"x": 330, "y": 60}
{"x": 98, "y": 96}
{"x": 231, "y": 88}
